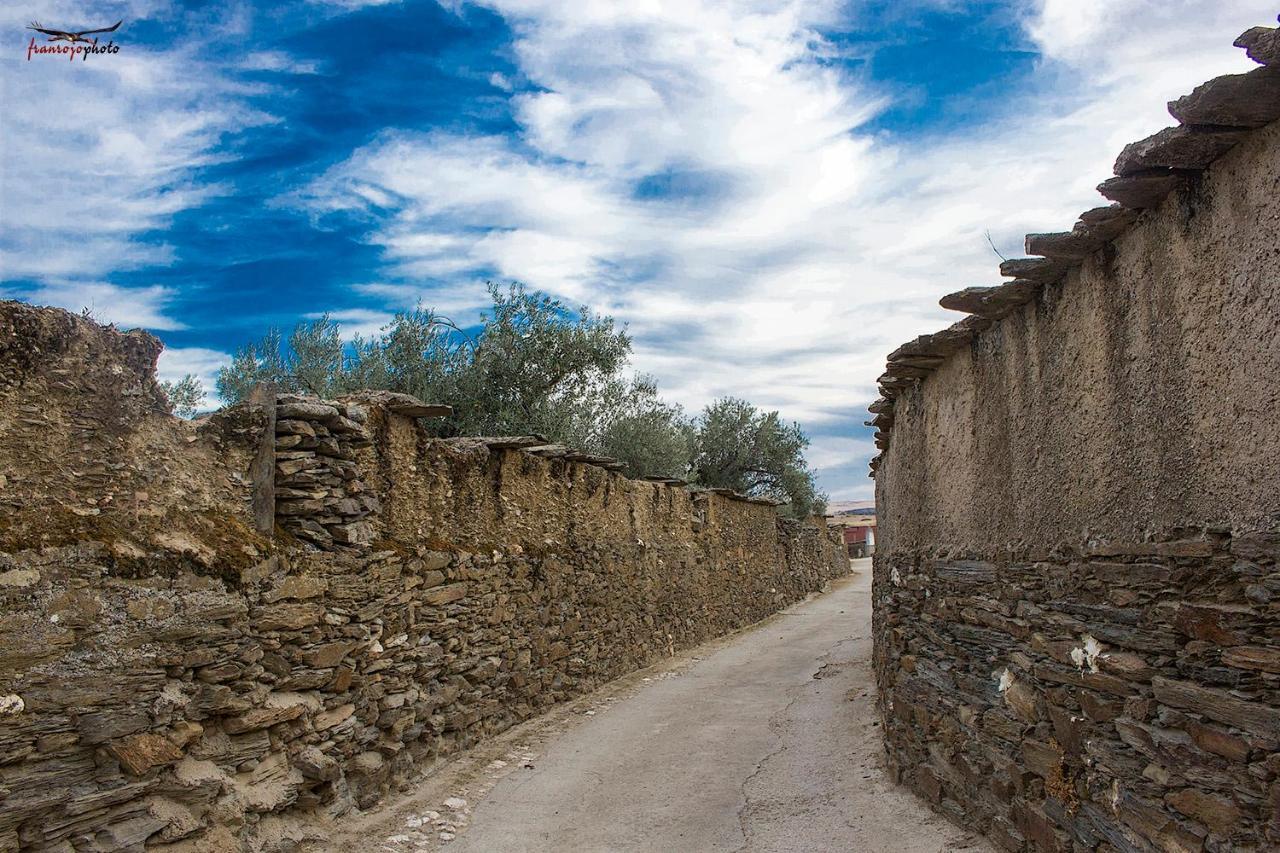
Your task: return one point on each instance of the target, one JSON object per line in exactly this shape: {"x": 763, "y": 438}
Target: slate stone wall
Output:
{"x": 1077, "y": 579}
{"x": 174, "y": 677}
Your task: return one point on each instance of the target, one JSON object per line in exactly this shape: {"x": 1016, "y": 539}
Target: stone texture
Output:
{"x": 1176, "y": 148}
{"x": 1042, "y": 270}
{"x": 1078, "y": 556}
{"x": 969, "y": 300}
{"x": 139, "y": 753}
{"x": 173, "y": 679}
{"x": 1140, "y": 190}
{"x": 1066, "y": 245}
{"x": 402, "y": 404}
{"x": 991, "y": 303}
{"x": 1104, "y": 223}
{"x": 1262, "y": 44}
{"x": 1234, "y": 100}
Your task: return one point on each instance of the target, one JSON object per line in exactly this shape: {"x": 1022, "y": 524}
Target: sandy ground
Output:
{"x": 766, "y": 740}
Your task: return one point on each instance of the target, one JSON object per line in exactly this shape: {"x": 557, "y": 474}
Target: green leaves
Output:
{"x": 742, "y": 448}
{"x": 537, "y": 366}
{"x": 185, "y": 395}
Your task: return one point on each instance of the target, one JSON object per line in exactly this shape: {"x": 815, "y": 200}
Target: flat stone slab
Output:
{"x": 403, "y": 404}
{"x": 1043, "y": 270}
{"x": 510, "y": 442}
{"x": 969, "y": 300}
{"x": 992, "y": 303}
{"x": 1233, "y": 100}
{"x": 1142, "y": 190}
{"x": 1063, "y": 245}
{"x": 1261, "y": 44}
{"x": 1177, "y": 148}
{"x": 1104, "y": 223}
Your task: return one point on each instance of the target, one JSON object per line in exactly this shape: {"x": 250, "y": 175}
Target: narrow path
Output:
{"x": 764, "y": 741}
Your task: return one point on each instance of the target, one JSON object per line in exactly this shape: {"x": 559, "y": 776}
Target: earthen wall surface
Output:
{"x": 1077, "y": 584}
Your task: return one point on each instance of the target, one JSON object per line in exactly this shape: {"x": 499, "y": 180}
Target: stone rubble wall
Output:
{"x": 180, "y": 674}
{"x": 1077, "y": 579}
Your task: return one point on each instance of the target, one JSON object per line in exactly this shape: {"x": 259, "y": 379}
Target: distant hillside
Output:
{"x": 851, "y": 508}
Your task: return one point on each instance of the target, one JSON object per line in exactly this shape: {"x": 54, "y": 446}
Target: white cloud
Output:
{"x": 351, "y": 5}
{"x": 798, "y": 249}
{"x": 202, "y": 363}
{"x": 357, "y": 321}
{"x": 99, "y": 155}
{"x": 276, "y": 60}
{"x": 834, "y": 452}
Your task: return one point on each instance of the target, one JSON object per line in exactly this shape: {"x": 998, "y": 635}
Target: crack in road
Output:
{"x": 777, "y": 724}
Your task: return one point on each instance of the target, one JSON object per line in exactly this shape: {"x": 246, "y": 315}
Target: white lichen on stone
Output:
{"x": 1086, "y": 654}
{"x": 19, "y": 578}
{"x": 11, "y": 704}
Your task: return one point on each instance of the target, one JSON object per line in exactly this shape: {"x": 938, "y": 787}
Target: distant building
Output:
{"x": 857, "y": 523}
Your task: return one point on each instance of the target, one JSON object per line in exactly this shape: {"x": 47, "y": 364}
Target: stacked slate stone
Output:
{"x": 319, "y": 495}
{"x": 1214, "y": 118}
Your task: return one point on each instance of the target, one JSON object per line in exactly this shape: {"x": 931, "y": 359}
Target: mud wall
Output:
{"x": 1077, "y": 585}
{"x": 176, "y": 674}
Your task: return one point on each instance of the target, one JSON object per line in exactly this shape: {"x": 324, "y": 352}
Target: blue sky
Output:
{"x": 772, "y": 195}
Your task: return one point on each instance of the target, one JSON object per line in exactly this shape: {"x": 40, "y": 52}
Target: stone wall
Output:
{"x": 1077, "y": 586}
{"x": 179, "y": 672}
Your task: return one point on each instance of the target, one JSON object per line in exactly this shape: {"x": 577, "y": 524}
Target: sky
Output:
{"x": 771, "y": 195}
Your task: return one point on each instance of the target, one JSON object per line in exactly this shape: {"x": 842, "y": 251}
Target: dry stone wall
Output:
{"x": 222, "y": 634}
{"x": 1077, "y": 584}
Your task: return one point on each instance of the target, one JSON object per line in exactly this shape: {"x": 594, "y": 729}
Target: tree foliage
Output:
{"x": 184, "y": 396}
{"x": 742, "y": 448}
{"x": 536, "y": 366}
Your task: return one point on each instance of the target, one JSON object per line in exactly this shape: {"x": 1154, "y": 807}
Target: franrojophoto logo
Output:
{"x": 72, "y": 44}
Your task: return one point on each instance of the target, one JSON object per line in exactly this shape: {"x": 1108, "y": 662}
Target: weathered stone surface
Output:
{"x": 1104, "y": 223}
{"x": 304, "y": 410}
{"x": 288, "y": 617}
{"x": 261, "y": 718}
{"x": 330, "y": 654}
{"x": 314, "y": 764}
{"x": 1041, "y": 270}
{"x": 334, "y": 716}
{"x": 353, "y": 533}
{"x": 295, "y": 427}
{"x": 1142, "y": 189}
{"x": 1263, "y": 658}
{"x": 511, "y": 442}
{"x": 1261, "y": 44}
{"x": 401, "y": 404}
{"x": 1066, "y": 245}
{"x": 174, "y": 679}
{"x": 1075, "y": 583}
{"x": 295, "y": 586}
{"x": 19, "y": 578}
{"x": 1216, "y": 812}
{"x": 1256, "y": 717}
{"x": 445, "y": 594}
{"x": 1233, "y": 100}
{"x": 970, "y": 300}
{"x": 1177, "y": 148}
{"x": 992, "y": 303}
{"x": 139, "y": 753}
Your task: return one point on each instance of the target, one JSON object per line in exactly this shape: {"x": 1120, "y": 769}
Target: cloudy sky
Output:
{"x": 772, "y": 195}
